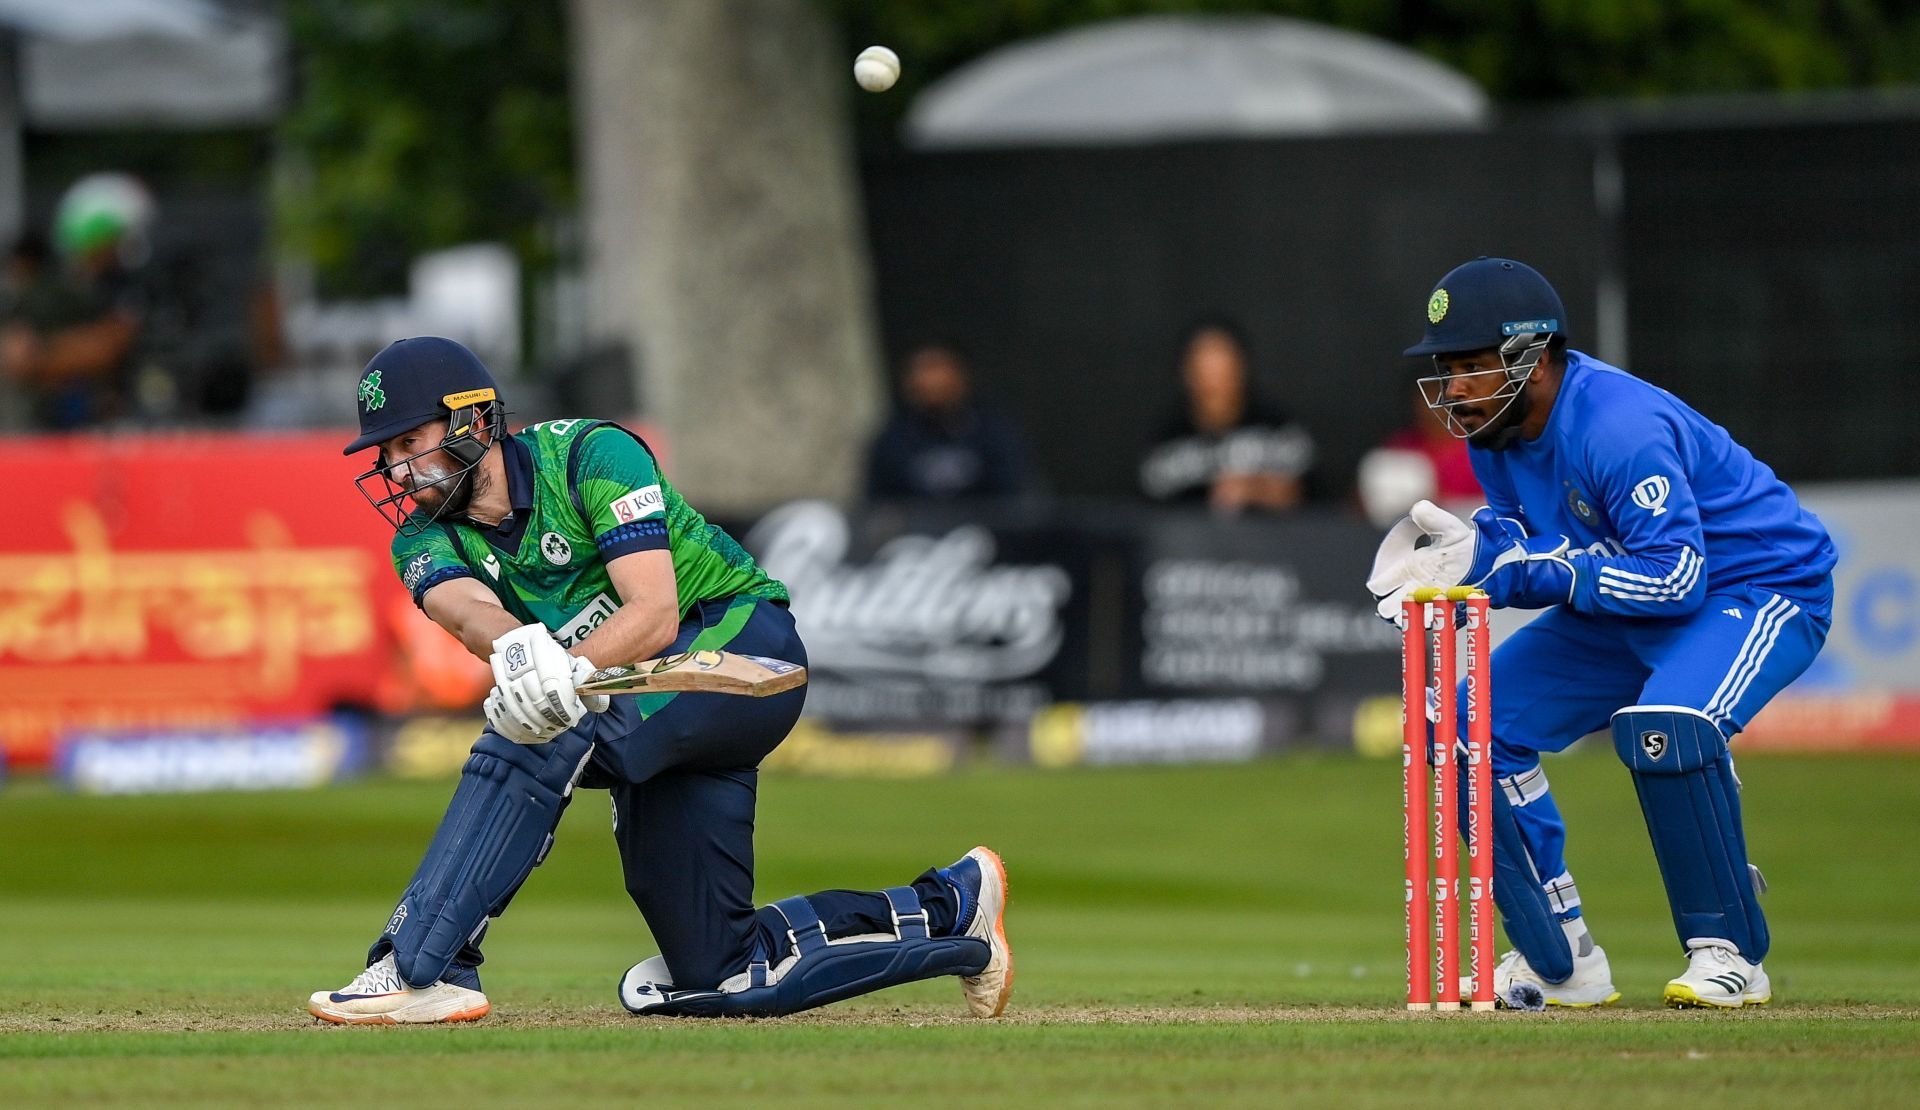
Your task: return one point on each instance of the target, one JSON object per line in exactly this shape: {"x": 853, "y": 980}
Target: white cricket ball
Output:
{"x": 876, "y": 69}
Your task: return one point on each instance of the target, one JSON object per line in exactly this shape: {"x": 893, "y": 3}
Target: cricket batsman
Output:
{"x": 553, "y": 553}
{"x": 1684, "y": 587}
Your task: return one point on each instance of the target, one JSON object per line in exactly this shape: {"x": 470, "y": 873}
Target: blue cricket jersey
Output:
{"x": 1661, "y": 505}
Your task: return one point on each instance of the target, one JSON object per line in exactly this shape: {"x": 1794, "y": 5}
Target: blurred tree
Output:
{"x": 724, "y": 246}
{"x": 419, "y": 124}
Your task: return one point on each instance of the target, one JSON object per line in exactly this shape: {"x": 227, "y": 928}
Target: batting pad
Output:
{"x": 1691, "y": 801}
{"x": 1531, "y": 921}
{"x": 497, "y": 829}
{"x": 814, "y": 970}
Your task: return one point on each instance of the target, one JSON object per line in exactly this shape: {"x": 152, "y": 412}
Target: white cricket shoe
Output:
{"x": 378, "y": 996}
{"x": 1516, "y": 986}
{"x": 981, "y": 879}
{"x": 1718, "y": 977}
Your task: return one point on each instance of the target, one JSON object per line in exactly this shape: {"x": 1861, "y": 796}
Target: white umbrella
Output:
{"x": 95, "y": 19}
{"x": 1169, "y": 78}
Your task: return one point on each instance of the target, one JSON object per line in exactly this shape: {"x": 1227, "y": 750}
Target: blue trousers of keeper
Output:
{"x": 682, "y": 773}
{"x": 1673, "y": 692}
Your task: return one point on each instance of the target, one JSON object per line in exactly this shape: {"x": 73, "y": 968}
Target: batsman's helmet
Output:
{"x": 1486, "y": 303}
{"x": 414, "y": 382}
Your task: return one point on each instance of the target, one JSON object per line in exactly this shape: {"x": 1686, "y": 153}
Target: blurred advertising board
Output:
{"x": 168, "y": 584}
{"x": 1863, "y": 691}
{"x": 432, "y": 746}
{"x": 1219, "y": 730}
{"x": 934, "y": 619}
{"x": 1085, "y": 633}
{"x": 287, "y": 756}
{"x": 1096, "y": 633}
{"x": 191, "y": 581}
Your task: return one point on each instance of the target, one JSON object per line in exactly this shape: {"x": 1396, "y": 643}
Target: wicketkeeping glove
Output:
{"x": 1391, "y": 581}
{"x": 1493, "y": 553}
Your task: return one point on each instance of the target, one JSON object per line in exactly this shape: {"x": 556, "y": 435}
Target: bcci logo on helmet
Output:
{"x": 1437, "y": 306}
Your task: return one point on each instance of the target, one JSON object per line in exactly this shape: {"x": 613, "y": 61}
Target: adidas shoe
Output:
{"x": 1719, "y": 978}
{"x": 980, "y": 879}
{"x": 378, "y": 996}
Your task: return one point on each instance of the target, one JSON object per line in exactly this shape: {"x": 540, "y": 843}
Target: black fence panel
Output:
{"x": 1069, "y": 274}
{"x": 1767, "y": 273}
{"x": 1773, "y": 277}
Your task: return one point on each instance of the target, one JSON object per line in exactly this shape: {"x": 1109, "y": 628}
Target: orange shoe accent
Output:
{"x": 1000, "y": 929}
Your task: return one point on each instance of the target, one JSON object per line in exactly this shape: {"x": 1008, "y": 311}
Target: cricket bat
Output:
{"x": 703, "y": 672}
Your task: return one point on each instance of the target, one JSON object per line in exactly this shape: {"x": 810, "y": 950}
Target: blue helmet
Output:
{"x": 414, "y": 382}
{"x": 1486, "y": 303}
{"x": 1489, "y": 304}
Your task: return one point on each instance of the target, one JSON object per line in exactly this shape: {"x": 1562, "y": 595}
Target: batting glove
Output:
{"x": 533, "y": 685}
{"x": 509, "y": 726}
{"x": 582, "y": 671}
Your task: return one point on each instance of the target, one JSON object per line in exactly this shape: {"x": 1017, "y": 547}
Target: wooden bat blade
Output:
{"x": 703, "y": 672}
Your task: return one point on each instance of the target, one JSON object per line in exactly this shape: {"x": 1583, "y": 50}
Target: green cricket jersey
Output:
{"x": 583, "y": 492}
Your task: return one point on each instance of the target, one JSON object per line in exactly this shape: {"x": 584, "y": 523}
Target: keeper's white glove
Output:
{"x": 533, "y": 699}
{"x": 1400, "y": 567}
{"x": 1449, "y": 553}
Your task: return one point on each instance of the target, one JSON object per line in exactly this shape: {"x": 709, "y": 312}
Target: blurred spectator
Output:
{"x": 1226, "y": 447}
{"x": 1421, "y": 461}
{"x": 941, "y": 443}
{"x": 28, "y": 272}
{"x": 66, "y": 340}
{"x": 26, "y": 281}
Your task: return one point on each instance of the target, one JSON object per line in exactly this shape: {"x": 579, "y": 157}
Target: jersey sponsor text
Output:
{"x": 642, "y": 503}
{"x": 576, "y": 628}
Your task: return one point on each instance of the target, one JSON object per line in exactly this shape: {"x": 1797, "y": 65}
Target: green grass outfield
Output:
{"x": 1194, "y": 936}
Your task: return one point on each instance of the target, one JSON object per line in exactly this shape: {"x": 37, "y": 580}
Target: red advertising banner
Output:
{"x": 1865, "y": 720}
{"x": 195, "y": 580}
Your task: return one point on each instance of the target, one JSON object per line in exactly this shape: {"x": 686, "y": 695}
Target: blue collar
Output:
{"x": 519, "y": 463}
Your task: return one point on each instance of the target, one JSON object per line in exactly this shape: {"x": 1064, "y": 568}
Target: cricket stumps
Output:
{"x": 1429, "y": 730}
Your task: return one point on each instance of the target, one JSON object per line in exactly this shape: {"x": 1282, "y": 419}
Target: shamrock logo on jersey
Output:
{"x": 371, "y": 395}
{"x": 556, "y": 548}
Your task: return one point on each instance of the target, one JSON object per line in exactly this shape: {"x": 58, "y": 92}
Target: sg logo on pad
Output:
{"x": 1654, "y": 744}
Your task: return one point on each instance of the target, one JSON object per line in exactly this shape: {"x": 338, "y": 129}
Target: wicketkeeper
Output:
{"x": 553, "y": 553}
{"x": 1684, "y": 587}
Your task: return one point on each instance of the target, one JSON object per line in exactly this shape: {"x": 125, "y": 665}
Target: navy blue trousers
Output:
{"x": 682, "y": 770}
